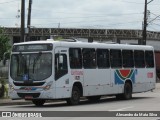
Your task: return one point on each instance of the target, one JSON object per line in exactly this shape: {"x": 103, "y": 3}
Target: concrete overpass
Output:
{"x": 117, "y": 35}
{"x": 99, "y": 34}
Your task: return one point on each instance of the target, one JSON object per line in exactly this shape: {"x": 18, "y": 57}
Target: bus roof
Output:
{"x": 90, "y": 45}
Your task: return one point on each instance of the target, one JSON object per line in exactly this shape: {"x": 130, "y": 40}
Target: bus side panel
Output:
{"x": 103, "y": 80}
{"x": 63, "y": 89}
{"x": 145, "y": 80}
{"x": 116, "y": 87}
{"x": 140, "y": 84}
{"x": 92, "y": 84}
{"x": 150, "y": 78}
{"x": 105, "y": 77}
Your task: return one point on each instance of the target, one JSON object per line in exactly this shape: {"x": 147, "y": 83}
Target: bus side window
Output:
{"x": 115, "y": 58}
{"x": 89, "y": 58}
{"x": 60, "y": 65}
{"x": 75, "y": 58}
{"x": 139, "y": 58}
{"x": 149, "y": 59}
{"x": 103, "y": 58}
{"x": 127, "y": 58}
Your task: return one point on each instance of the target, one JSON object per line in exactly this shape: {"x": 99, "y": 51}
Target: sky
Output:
{"x": 90, "y": 14}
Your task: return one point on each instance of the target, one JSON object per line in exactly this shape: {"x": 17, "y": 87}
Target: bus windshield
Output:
{"x": 33, "y": 66}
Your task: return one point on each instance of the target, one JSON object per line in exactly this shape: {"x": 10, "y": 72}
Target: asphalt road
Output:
{"x": 149, "y": 101}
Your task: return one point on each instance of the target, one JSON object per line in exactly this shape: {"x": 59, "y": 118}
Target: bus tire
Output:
{"x": 127, "y": 91}
{"x": 38, "y": 102}
{"x": 75, "y": 97}
{"x": 94, "y": 98}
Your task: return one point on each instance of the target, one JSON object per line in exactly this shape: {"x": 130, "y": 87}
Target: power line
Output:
{"x": 153, "y": 28}
{"x": 79, "y": 13}
{"x": 102, "y": 16}
{"x": 7, "y": 18}
{"x": 136, "y": 2}
{"x": 156, "y": 24}
{"x": 9, "y": 2}
{"x": 131, "y": 2}
{"x": 80, "y": 17}
{"x": 130, "y": 22}
{"x": 154, "y": 19}
{"x": 153, "y": 14}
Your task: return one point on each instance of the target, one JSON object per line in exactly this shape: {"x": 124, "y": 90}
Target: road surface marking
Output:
{"x": 122, "y": 109}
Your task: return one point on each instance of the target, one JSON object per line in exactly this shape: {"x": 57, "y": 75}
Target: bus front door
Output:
{"x": 61, "y": 73}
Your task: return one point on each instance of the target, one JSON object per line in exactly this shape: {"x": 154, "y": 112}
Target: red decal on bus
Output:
{"x": 150, "y": 75}
{"x": 76, "y": 72}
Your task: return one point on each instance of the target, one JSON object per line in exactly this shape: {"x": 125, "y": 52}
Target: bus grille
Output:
{"x": 23, "y": 95}
{"x": 29, "y": 84}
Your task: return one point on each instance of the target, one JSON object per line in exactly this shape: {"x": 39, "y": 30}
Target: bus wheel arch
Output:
{"x": 79, "y": 85}
{"x": 77, "y": 92}
{"x": 127, "y": 91}
{"x": 128, "y": 88}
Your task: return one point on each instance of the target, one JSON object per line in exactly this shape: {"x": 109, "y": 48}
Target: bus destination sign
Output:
{"x": 32, "y": 47}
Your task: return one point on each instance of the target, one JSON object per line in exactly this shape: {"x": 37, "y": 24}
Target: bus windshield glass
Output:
{"x": 33, "y": 66}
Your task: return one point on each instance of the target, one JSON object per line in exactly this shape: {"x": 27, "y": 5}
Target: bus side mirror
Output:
{"x": 4, "y": 62}
{"x": 6, "y": 56}
{"x": 60, "y": 59}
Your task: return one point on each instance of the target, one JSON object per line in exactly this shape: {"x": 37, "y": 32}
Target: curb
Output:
{"x": 14, "y": 102}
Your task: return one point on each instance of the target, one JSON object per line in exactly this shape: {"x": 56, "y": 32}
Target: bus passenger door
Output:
{"x": 61, "y": 73}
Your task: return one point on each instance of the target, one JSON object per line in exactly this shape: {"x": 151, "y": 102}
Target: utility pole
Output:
{"x": 29, "y": 20}
{"x": 22, "y": 20}
{"x": 145, "y": 24}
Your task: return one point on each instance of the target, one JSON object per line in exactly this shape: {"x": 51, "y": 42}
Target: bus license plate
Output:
{"x": 28, "y": 97}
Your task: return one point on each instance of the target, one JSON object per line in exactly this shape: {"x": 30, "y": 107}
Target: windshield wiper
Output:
{"x": 23, "y": 64}
{"x": 36, "y": 59}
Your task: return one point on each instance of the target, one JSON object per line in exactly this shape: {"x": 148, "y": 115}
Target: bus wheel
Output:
{"x": 38, "y": 102}
{"x": 127, "y": 91}
{"x": 94, "y": 98}
{"x": 75, "y": 98}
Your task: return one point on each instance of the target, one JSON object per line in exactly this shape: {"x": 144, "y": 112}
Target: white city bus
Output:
{"x": 46, "y": 70}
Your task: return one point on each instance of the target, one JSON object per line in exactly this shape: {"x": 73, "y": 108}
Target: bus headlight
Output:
{"x": 48, "y": 86}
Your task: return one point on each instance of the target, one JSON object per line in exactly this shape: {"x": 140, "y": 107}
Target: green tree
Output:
{"x": 4, "y": 43}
